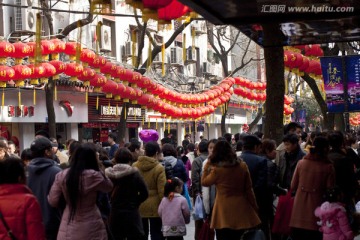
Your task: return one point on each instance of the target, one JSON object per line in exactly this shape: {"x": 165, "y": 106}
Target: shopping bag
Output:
{"x": 283, "y": 215}
{"x": 206, "y": 233}
{"x": 256, "y": 234}
{"x": 187, "y": 196}
{"x": 199, "y": 212}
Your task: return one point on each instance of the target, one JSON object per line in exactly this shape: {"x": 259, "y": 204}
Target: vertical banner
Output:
{"x": 353, "y": 78}
{"x": 333, "y": 83}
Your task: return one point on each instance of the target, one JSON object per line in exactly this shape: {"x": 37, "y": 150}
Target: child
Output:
{"x": 333, "y": 219}
{"x": 174, "y": 210}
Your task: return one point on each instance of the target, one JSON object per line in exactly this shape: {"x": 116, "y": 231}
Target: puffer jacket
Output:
{"x": 21, "y": 212}
{"x": 333, "y": 222}
{"x": 155, "y": 179}
{"x": 175, "y": 168}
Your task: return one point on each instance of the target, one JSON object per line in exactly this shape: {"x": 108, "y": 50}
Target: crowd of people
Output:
{"x": 139, "y": 190}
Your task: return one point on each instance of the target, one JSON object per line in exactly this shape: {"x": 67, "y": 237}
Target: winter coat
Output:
{"x": 196, "y": 170}
{"x": 235, "y": 204}
{"x": 155, "y": 179}
{"x": 175, "y": 168}
{"x": 129, "y": 192}
{"x": 287, "y": 164}
{"x": 187, "y": 164}
{"x": 42, "y": 172}
{"x": 334, "y": 223}
{"x": 208, "y": 195}
{"x": 174, "y": 214}
{"x": 87, "y": 222}
{"x": 21, "y": 212}
{"x": 312, "y": 177}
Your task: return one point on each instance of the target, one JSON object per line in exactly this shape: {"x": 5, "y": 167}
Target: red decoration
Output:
{"x": 48, "y": 47}
{"x": 73, "y": 70}
{"x": 87, "y": 56}
{"x": 70, "y": 49}
{"x": 59, "y": 47}
{"x": 109, "y": 88}
{"x": 6, "y": 74}
{"x": 21, "y": 50}
{"x": 86, "y": 75}
{"x": 173, "y": 11}
{"x": 98, "y": 81}
{"x": 6, "y": 50}
{"x": 107, "y": 69}
{"x": 23, "y": 72}
{"x": 50, "y": 71}
{"x": 116, "y": 74}
{"x": 59, "y": 67}
{"x": 98, "y": 62}
{"x": 32, "y": 47}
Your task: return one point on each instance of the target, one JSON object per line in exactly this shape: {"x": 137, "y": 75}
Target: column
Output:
{"x": 26, "y": 135}
{"x": 72, "y": 131}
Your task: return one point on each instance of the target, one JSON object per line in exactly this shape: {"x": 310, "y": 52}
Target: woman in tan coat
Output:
{"x": 313, "y": 176}
{"x": 154, "y": 175}
{"x": 235, "y": 206}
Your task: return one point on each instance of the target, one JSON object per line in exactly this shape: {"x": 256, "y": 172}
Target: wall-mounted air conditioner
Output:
{"x": 25, "y": 18}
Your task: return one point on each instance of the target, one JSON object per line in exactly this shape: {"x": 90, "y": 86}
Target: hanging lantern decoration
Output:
{"x": 59, "y": 67}
{"x": 98, "y": 81}
{"x": 150, "y": 8}
{"x": 59, "y": 48}
{"x": 126, "y": 76}
{"x": 37, "y": 72}
{"x": 50, "y": 71}
{"x": 21, "y": 50}
{"x": 6, "y": 74}
{"x": 6, "y": 50}
{"x": 70, "y": 49}
{"x": 172, "y": 11}
{"x": 48, "y": 47}
{"x": 86, "y": 75}
{"x": 73, "y": 70}
{"x": 138, "y": 94}
{"x": 145, "y": 100}
{"x": 32, "y": 51}
{"x": 98, "y": 62}
{"x": 23, "y": 72}
{"x": 108, "y": 88}
{"x": 119, "y": 91}
{"x": 87, "y": 56}
{"x": 107, "y": 69}
{"x": 116, "y": 74}
{"x": 135, "y": 79}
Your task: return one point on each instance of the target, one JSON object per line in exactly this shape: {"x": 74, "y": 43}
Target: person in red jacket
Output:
{"x": 19, "y": 209}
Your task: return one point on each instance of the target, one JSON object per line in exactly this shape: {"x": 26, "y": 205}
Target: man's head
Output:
{"x": 135, "y": 145}
{"x": 237, "y": 137}
{"x": 203, "y": 147}
{"x": 291, "y": 142}
{"x": 55, "y": 145}
{"x": 42, "y": 133}
{"x": 165, "y": 141}
{"x": 228, "y": 137}
{"x": 293, "y": 127}
{"x": 336, "y": 140}
{"x": 112, "y": 138}
{"x": 185, "y": 143}
{"x": 190, "y": 147}
{"x": 3, "y": 150}
{"x": 41, "y": 148}
{"x": 188, "y": 137}
{"x": 251, "y": 143}
{"x": 11, "y": 147}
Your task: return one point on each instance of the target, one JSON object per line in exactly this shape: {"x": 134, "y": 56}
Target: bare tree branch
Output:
{"x": 48, "y": 16}
{"x": 83, "y": 22}
{"x": 141, "y": 28}
{"x": 245, "y": 52}
{"x": 141, "y": 45}
{"x": 234, "y": 43}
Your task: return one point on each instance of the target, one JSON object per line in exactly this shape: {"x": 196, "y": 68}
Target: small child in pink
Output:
{"x": 333, "y": 220}
{"x": 174, "y": 210}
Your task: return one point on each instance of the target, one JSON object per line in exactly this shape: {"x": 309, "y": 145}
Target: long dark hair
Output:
{"x": 320, "y": 148}
{"x": 170, "y": 186}
{"x": 223, "y": 152}
{"x": 83, "y": 158}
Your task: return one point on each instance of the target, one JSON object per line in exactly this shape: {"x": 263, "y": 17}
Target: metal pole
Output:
{"x": 346, "y": 96}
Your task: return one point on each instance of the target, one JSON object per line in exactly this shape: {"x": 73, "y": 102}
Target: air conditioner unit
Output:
{"x": 176, "y": 56}
{"x": 128, "y": 51}
{"x": 190, "y": 55}
{"x": 106, "y": 38}
{"x": 207, "y": 68}
{"x": 25, "y": 18}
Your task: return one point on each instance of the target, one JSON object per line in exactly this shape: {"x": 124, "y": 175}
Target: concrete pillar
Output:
{"x": 72, "y": 131}
{"x": 27, "y": 135}
{"x": 180, "y": 133}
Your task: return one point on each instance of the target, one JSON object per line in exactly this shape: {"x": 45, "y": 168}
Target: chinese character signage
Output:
{"x": 353, "y": 80}
{"x": 333, "y": 83}
{"x": 116, "y": 111}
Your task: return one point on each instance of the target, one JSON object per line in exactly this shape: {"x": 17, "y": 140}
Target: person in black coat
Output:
{"x": 173, "y": 167}
{"x": 129, "y": 192}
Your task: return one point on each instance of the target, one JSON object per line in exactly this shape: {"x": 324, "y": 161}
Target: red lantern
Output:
{"x": 144, "y": 83}
{"x": 70, "y": 49}
{"x": 136, "y": 77}
{"x": 109, "y": 87}
{"x": 99, "y": 62}
{"x": 304, "y": 65}
{"x": 86, "y": 75}
{"x": 6, "y": 74}
{"x": 107, "y": 69}
{"x": 172, "y": 11}
{"x": 98, "y": 81}
{"x": 126, "y": 76}
{"x": 119, "y": 91}
{"x": 21, "y": 50}
{"x": 116, "y": 74}
{"x": 87, "y": 56}
{"x": 48, "y": 48}
{"x": 145, "y": 100}
{"x": 23, "y": 72}
{"x": 59, "y": 67}
{"x": 32, "y": 48}
{"x": 37, "y": 72}
{"x": 50, "y": 71}
{"x": 73, "y": 70}
{"x": 59, "y": 48}
{"x": 151, "y": 6}
{"x": 138, "y": 94}
{"x": 6, "y": 50}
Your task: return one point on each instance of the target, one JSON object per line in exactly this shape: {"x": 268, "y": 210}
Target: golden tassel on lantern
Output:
{"x": 125, "y": 112}
{"x": 86, "y": 96}
{"x": 134, "y": 41}
{"x": 149, "y": 123}
{"x": 3, "y": 98}
{"x": 97, "y": 102}
{"x": 34, "y": 96}
{"x": 168, "y": 130}
{"x": 156, "y": 124}
{"x": 109, "y": 106}
{"x": 55, "y": 93}
{"x": 19, "y": 97}
{"x": 190, "y": 128}
{"x": 117, "y": 110}
{"x": 286, "y": 86}
{"x": 149, "y": 55}
{"x": 143, "y": 120}
{"x": 78, "y": 46}
{"x": 184, "y": 47}
{"x": 163, "y": 59}
{"x": 164, "y": 122}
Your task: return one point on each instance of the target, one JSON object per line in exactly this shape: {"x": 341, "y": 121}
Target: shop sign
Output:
{"x": 104, "y": 135}
{"x": 230, "y": 116}
{"x": 20, "y": 111}
{"x": 132, "y": 125}
{"x": 100, "y": 125}
{"x": 116, "y": 111}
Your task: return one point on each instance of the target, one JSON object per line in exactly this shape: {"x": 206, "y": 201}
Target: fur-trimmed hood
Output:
{"x": 119, "y": 171}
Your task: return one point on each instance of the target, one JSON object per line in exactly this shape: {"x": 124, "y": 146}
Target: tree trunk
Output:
{"x": 223, "y": 120}
{"x": 253, "y": 124}
{"x": 275, "y": 87}
{"x": 224, "y": 63}
{"x": 122, "y": 124}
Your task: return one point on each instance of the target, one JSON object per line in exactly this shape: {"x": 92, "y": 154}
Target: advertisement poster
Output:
{"x": 353, "y": 78}
{"x": 333, "y": 83}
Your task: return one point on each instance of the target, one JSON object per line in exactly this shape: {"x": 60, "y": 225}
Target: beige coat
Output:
{"x": 312, "y": 177}
{"x": 154, "y": 175}
{"x": 235, "y": 204}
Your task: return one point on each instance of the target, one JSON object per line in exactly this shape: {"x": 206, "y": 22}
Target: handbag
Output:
{"x": 187, "y": 196}
{"x": 256, "y": 234}
{"x": 283, "y": 214}
{"x": 199, "y": 212}
{"x": 9, "y": 232}
{"x": 206, "y": 233}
